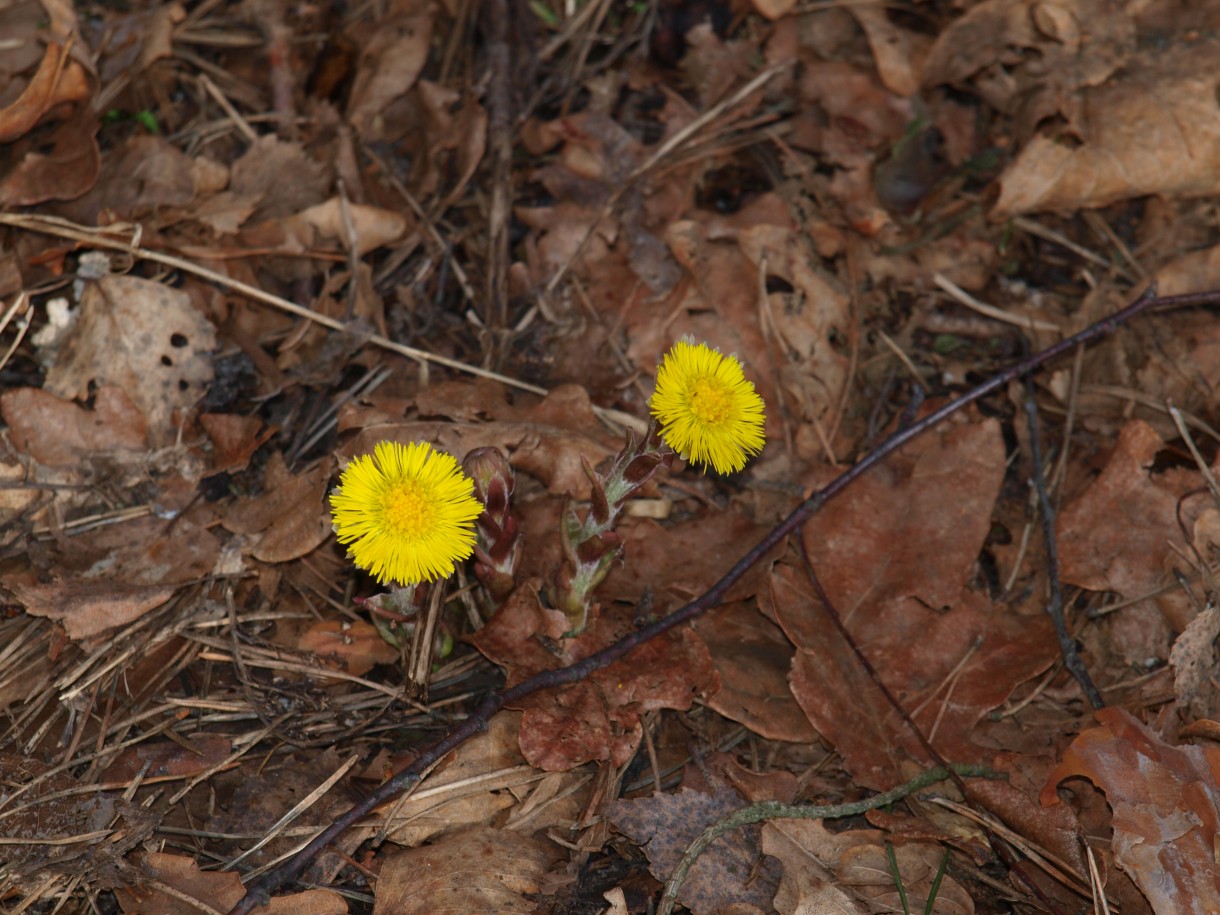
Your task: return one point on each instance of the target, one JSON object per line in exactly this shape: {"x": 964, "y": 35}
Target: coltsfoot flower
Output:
{"x": 406, "y": 512}
{"x": 708, "y": 410}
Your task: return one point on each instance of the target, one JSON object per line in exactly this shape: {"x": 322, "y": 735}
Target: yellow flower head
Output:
{"x": 709, "y": 412}
{"x": 406, "y": 512}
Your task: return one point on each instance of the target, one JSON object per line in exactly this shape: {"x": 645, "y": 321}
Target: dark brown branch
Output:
{"x": 259, "y": 892}
{"x": 1054, "y": 608}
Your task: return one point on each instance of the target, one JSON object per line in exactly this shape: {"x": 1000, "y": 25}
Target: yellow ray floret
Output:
{"x": 406, "y": 512}
{"x": 708, "y": 410}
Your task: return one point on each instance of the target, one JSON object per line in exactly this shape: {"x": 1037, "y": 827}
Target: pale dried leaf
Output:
{"x": 216, "y": 889}
{"x": 456, "y": 875}
{"x": 144, "y": 337}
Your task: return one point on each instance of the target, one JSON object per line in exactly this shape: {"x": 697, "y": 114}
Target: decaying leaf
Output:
{"x": 113, "y": 576}
{"x": 1122, "y": 535}
{"x": 728, "y": 872}
{"x": 1166, "y": 803}
{"x": 56, "y": 431}
{"x": 192, "y": 887}
{"x": 289, "y": 516}
{"x": 849, "y": 872}
{"x": 143, "y": 337}
{"x": 453, "y": 875}
{"x": 47, "y": 128}
{"x": 896, "y": 554}
{"x": 598, "y": 718}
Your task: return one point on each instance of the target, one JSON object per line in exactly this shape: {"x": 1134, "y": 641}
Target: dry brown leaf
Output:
{"x": 152, "y": 759}
{"x": 773, "y": 9}
{"x": 849, "y": 871}
{"x": 48, "y": 126}
{"x": 1122, "y": 532}
{"x": 452, "y": 876}
{"x": 545, "y": 441}
{"x": 450, "y": 147}
{"x": 599, "y": 717}
{"x": 481, "y": 782}
{"x": 895, "y": 553}
{"x": 144, "y": 337}
{"x": 90, "y": 608}
{"x": 1153, "y": 129}
{"x": 372, "y": 227}
{"x": 216, "y": 889}
{"x": 352, "y": 646}
{"x": 898, "y": 52}
{"x": 114, "y": 575}
{"x": 391, "y": 59}
{"x": 57, "y": 432}
{"x": 753, "y": 658}
{"x": 1193, "y": 659}
{"x": 234, "y": 439}
{"x": 259, "y": 175}
{"x": 1166, "y": 803}
{"x": 807, "y": 885}
{"x": 729, "y": 872}
{"x": 290, "y": 514}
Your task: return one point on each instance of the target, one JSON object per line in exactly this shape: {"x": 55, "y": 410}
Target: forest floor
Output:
{"x": 242, "y": 242}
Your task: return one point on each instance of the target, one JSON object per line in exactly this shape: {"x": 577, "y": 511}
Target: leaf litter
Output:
{"x": 872, "y": 209}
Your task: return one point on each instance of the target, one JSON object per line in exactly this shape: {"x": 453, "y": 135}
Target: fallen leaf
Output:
{"x": 392, "y": 56}
{"x": 729, "y": 871}
{"x": 1150, "y": 129}
{"x": 154, "y": 759}
{"x": 753, "y": 656}
{"x": 215, "y": 889}
{"x": 234, "y": 439}
{"x": 550, "y": 453}
{"x": 290, "y": 515}
{"x": 456, "y": 875}
{"x": 1193, "y": 659}
{"x": 599, "y": 717}
{"x": 57, "y": 432}
{"x": 1121, "y": 533}
{"x": 144, "y": 337}
{"x": 1166, "y": 803}
{"x": 352, "y": 646}
{"x": 896, "y": 554}
{"x": 112, "y": 576}
{"x": 849, "y": 871}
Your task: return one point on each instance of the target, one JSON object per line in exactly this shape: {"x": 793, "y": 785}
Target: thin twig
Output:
{"x": 259, "y": 892}
{"x": 1054, "y": 608}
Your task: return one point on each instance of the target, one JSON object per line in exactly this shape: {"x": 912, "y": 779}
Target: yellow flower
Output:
{"x": 406, "y": 512}
{"x": 709, "y": 412}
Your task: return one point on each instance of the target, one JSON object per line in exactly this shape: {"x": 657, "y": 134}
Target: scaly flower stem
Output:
{"x": 590, "y": 546}
{"x": 259, "y": 891}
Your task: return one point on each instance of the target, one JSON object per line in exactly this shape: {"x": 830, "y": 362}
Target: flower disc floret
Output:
{"x": 406, "y": 512}
{"x": 708, "y": 410}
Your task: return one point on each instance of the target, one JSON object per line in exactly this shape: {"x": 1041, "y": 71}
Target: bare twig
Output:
{"x": 1067, "y": 645}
